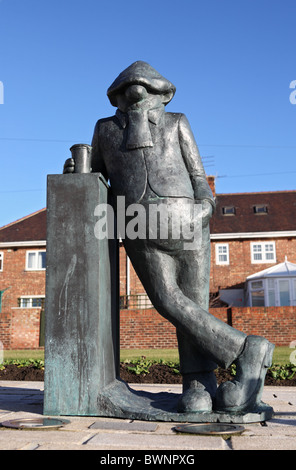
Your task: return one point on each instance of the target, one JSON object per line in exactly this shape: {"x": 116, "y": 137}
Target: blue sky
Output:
{"x": 232, "y": 62}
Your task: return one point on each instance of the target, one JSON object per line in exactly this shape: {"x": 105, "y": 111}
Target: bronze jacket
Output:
{"x": 172, "y": 167}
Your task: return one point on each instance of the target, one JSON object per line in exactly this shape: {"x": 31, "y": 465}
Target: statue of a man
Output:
{"x": 150, "y": 157}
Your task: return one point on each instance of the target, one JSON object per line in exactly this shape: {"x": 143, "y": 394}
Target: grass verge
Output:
{"x": 281, "y": 354}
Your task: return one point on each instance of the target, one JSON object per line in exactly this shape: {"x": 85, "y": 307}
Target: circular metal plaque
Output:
{"x": 210, "y": 429}
{"x": 35, "y": 423}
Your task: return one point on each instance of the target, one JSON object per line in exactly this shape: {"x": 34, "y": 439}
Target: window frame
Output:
{"x": 264, "y": 259}
{"x": 35, "y": 267}
{"x": 219, "y": 262}
{"x": 1, "y": 260}
{"x": 270, "y": 286}
{"x": 257, "y": 289}
{"x": 30, "y": 298}
{"x": 260, "y": 209}
{"x": 228, "y": 210}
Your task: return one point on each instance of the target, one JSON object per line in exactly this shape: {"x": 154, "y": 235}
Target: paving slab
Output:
{"x": 272, "y": 442}
{"x": 155, "y": 442}
{"x": 123, "y": 425}
{"x": 20, "y": 400}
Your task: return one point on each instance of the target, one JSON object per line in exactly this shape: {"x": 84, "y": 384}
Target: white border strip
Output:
{"x": 229, "y": 236}
{"x": 22, "y": 244}
{"x": 214, "y": 236}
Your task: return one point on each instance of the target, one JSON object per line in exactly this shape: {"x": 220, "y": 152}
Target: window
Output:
{"x": 222, "y": 253}
{"x": 263, "y": 252}
{"x": 284, "y": 292}
{"x": 272, "y": 292}
{"x": 31, "y": 301}
{"x": 228, "y": 210}
{"x": 1, "y": 261}
{"x": 260, "y": 209}
{"x": 257, "y": 294}
{"x": 36, "y": 260}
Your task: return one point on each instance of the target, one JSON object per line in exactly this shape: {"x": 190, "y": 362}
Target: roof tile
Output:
{"x": 280, "y": 216}
{"x": 29, "y": 228}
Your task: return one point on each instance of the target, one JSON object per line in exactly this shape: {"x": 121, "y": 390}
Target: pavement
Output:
{"x": 20, "y": 400}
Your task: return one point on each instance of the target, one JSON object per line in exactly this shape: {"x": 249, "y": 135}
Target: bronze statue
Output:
{"x": 150, "y": 158}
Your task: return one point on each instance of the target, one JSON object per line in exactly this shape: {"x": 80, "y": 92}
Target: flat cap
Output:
{"x": 140, "y": 73}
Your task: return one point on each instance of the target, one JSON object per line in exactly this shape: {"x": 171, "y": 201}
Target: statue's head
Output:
{"x": 140, "y": 86}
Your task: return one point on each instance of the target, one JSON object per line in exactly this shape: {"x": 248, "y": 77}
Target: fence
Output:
{"x": 136, "y": 301}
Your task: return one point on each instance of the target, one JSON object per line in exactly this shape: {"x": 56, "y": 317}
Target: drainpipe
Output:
{"x": 128, "y": 276}
{"x": 128, "y": 280}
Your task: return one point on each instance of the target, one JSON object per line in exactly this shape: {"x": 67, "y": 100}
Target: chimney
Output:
{"x": 211, "y": 182}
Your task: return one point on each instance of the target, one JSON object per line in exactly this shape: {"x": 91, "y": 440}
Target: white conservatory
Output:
{"x": 275, "y": 286}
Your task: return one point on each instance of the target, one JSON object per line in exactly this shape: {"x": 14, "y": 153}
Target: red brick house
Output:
{"x": 249, "y": 233}
{"x": 22, "y": 281}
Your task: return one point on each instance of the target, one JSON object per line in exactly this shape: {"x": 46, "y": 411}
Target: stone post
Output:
{"x": 82, "y": 308}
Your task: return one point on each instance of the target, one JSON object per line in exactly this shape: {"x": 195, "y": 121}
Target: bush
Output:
{"x": 142, "y": 365}
{"x": 37, "y": 363}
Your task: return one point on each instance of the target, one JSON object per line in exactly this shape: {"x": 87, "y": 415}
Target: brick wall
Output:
{"x": 20, "y": 329}
{"x": 277, "y": 324}
{"x": 5, "y": 330}
{"x": 148, "y": 330}
{"x": 25, "y": 328}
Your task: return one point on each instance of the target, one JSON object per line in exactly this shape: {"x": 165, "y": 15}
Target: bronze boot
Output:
{"x": 198, "y": 390}
{"x": 243, "y": 394}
